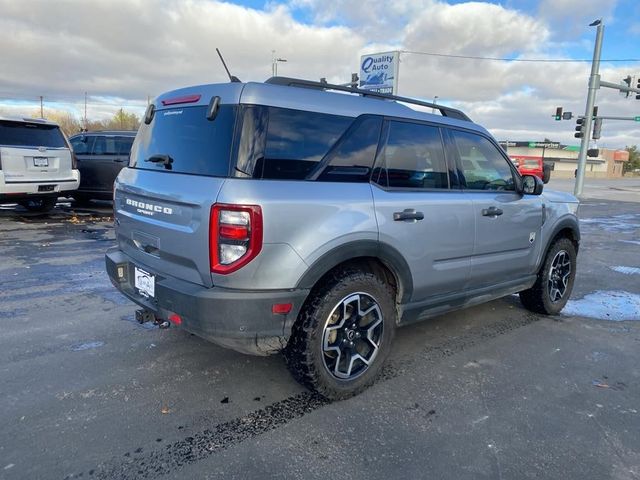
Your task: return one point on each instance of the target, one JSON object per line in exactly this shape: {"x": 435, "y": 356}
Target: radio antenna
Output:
{"x": 232, "y": 78}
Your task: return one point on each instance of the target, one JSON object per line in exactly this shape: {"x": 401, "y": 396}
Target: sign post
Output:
{"x": 379, "y": 72}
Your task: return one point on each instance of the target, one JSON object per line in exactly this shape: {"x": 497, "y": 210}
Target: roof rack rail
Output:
{"x": 296, "y": 82}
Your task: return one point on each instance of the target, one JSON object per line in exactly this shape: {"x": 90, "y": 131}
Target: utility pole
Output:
{"x": 594, "y": 84}
{"x": 435, "y": 101}
{"x": 41, "y": 107}
{"x": 85, "y": 111}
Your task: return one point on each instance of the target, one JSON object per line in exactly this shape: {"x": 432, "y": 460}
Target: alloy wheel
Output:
{"x": 559, "y": 274}
{"x": 352, "y": 336}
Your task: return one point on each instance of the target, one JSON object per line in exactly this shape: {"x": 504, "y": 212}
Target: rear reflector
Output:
{"x": 183, "y": 99}
{"x": 175, "y": 319}
{"x": 281, "y": 308}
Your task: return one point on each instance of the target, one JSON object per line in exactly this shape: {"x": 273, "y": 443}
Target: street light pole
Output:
{"x": 594, "y": 84}
{"x": 274, "y": 63}
{"x": 435, "y": 101}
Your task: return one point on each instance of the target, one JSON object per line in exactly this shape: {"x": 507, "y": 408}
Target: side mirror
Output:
{"x": 532, "y": 185}
{"x": 546, "y": 173}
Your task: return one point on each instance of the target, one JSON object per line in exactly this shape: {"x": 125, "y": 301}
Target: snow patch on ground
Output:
{"x": 606, "y": 305}
{"x": 635, "y": 242}
{"x": 618, "y": 223}
{"x": 626, "y": 270}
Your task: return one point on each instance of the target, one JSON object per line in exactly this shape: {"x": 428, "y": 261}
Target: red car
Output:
{"x": 528, "y": 165}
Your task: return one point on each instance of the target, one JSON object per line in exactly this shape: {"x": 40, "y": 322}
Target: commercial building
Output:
{"x": 563, "y": 159}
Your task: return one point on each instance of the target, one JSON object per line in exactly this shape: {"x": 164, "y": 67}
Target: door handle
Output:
{"x": 491, "y": 212}
{"x": 118, "y": 160}
{"x": 408, "y": 214}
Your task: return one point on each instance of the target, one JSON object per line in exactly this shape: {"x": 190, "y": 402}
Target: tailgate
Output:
{"x": 35, "y": 165}
{"x": 162, "y": 221}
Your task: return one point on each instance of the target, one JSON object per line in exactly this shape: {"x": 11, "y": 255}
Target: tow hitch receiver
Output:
{"x": 144, "y": 316}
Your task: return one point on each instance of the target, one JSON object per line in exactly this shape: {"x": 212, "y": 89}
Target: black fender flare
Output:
{"x": 567, "y": 222}
{"x": 387, "y": 254}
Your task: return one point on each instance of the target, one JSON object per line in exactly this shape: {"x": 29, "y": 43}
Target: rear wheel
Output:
{"x": 343, "y": 334}
{"x": 555, "y": 280}
{"x": 40, "y": 204}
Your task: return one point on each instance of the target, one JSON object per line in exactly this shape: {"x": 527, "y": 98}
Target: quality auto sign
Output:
{"x": 379, "y": 72}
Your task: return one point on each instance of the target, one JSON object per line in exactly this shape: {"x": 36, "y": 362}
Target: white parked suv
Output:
{"x": 36, "y": 163}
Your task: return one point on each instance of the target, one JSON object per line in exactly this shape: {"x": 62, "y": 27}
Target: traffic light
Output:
{"x": 597, "y": 128}
{"x": 627, "y": 80}
{"x": 579, "y": 128}
{"x": 558, "y": 115}
{"x": 638, "y": 86}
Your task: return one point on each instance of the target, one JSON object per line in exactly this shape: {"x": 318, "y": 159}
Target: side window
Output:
{"x": 296, "y": 141}
{"x": 81, "y": 145}
{"x": 412, "y": 157}
{"x": 353, "y": 158}
{"x": 104, "y": 146}
{"x": 483, "y": 167}
{"x": 123, "y": 145}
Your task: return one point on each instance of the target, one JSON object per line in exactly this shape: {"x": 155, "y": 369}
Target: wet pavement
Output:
{"x": 489, "y": 392}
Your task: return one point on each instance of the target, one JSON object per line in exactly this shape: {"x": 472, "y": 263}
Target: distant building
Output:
{"x": 564, "y": 158}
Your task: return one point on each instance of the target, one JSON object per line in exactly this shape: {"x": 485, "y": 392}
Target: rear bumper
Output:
{"x": 15, "y": 189}
{"x": 238, "y": 319}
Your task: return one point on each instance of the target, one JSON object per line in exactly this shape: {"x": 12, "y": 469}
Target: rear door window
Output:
{"x": 21, "y": 134}
{"x": 412, "y": 157}
{"x": 123, "y": 145}
{"x": 103, "y": 145}
{"x": 182, "y": 140}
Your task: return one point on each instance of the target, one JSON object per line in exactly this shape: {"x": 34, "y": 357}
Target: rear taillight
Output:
{"x": 235, "y": 236}
{"x": 74, "y": 161}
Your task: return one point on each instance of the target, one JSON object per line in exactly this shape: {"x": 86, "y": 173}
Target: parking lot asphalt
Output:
{"x": 488, "y": 392}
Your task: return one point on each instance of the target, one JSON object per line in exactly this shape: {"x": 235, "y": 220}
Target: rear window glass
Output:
{"x": 19, "y": 134}
{"x": 182, "y": 140}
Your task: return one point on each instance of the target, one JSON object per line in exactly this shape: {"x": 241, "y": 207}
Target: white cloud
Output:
{"x": 129, "y": 49}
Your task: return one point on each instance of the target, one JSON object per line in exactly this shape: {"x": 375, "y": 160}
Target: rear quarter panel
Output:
{"x": 302, "y": 222}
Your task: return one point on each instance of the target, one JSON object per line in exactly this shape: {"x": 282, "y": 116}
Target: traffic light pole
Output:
{"x": 594, "y": 84}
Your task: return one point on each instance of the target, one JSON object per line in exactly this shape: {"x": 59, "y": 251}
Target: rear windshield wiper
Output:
{"x": 166, "y": 160}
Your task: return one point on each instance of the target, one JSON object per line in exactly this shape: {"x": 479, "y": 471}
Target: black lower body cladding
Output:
{"x": 237, "y": 319}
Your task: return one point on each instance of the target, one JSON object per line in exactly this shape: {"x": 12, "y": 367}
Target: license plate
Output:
{"x": 40, "y": 162}
{"x": 145, "y": 282}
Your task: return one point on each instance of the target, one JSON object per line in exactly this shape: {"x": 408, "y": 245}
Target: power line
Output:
{"x": 529, "y": 60}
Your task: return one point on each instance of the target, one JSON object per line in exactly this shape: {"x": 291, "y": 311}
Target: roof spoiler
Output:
{"x": 296, "y": 82}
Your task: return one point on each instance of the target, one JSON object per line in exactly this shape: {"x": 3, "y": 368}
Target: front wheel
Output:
{"x": 343, "y": 334}
{"x": 555, "y": 280}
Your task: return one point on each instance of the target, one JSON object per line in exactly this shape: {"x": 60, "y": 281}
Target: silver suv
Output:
{"x": 314, "y": 219}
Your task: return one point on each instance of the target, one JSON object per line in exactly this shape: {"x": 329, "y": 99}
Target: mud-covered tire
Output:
{"x": 306, "y": 354}
{"x": 41, "y": 205}
{"x": 539, "y": 297}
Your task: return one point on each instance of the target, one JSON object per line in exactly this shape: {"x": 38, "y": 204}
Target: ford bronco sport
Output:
{"x": 314, "y": 219}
